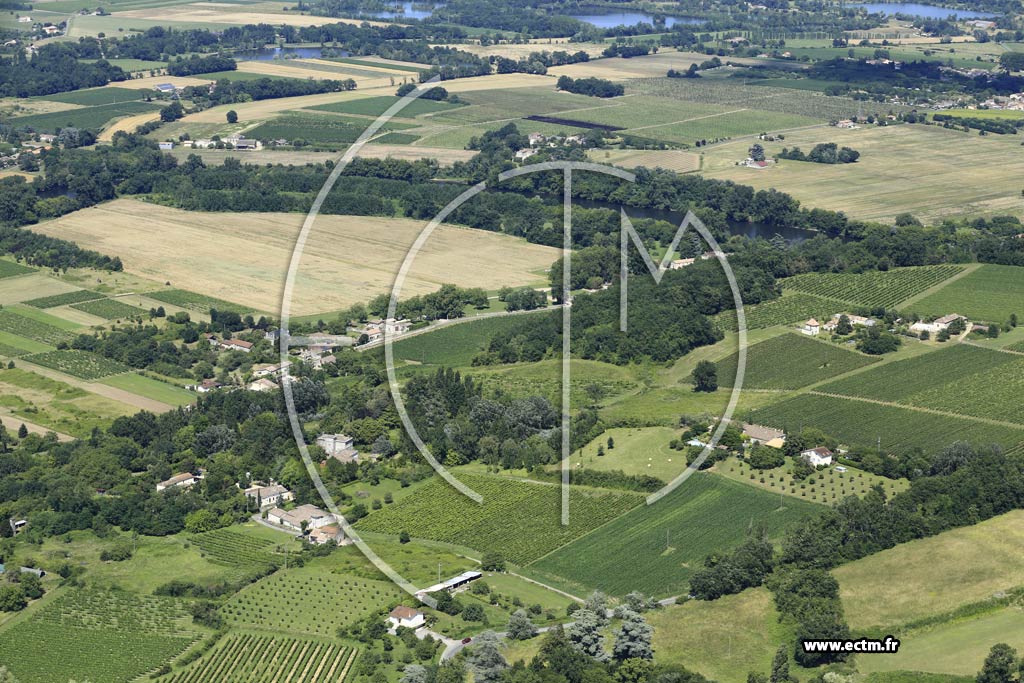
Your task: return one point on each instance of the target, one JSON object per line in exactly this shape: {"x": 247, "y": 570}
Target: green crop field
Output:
{"x": 521, "y": 520}
{"x": 544, "y": 378}
{"x": 790, "y": 361}
{"x": 901, "y": 430}
{"x": 75, "y": 297}
{"x": 82, "y": 364}
{"x": 455, "y": 345}
{"x": 989, "y": 293}
{"x": 375, "y": 106}
{"x": 243, "y": 658}
{"x": 498, "y": 105}
{"x": 115, "y": 636}
{"x": 155, "y": 389}
{"x": 655, "y": 548}
{"x": 322, "y": 128}
{"x": 789, "y": 308}
{"x": 111, "y": 309}
{"x": 309, "y": 600}
{"x": 12, "y": 269}
{"x": 57, "y": 405}
{"x": 11, "y": 351}
{"x": 199, "y": 303}
{"x": 92, "y": 97}
{"x": 92, "y": 118}
{"x": 234, "y": 549}
{"x": 966, "y": 380}
{"x": 874, "y": 288}
{"x": 23, "y": 326}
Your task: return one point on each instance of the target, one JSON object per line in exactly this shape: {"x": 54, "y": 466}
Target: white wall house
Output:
{"x": 817, "y": 456}
{"x": 407, "y": 617}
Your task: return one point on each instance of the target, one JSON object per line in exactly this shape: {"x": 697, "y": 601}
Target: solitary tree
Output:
{"x": 633, "y": 639}
{"x": 1000, "y": 665}
{"x": 705, "y": 376}
{"x": 520, "y": 627}
{"x": 757, "y": 152}
{"x": 232, "y": 116}
{"x": 485, "y": 658}
{"x": 22, "y": 431}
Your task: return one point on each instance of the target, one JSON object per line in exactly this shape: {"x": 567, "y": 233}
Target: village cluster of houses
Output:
{"x": 1014, "y": 102}
{"x": 812, "y": 327}
{"x": 539, "y": 141}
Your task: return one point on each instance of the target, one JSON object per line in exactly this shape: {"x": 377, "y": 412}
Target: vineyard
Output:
{"x": 75, "y": 297}
{"x": 11, "y": 351}
{"x": 199, "y": 303}
{"x": 870, "y": 425}
{"x": 967, "y": 380}
{"x": 111, "y": 309}
{"x": 790, "y": 361}
{"x": 873, "y": 289}
{"x": 522, "y": 520}
{"x": 32, "y": 329}
{"x": 82, "y": 364}
{"x": 989, "y": 293}
{"x": 245, "y": 658}
{"x": 234, "y": 549}
{"x": 309, "y": 601}
{"x": 655, "y": 548}
{"x": 789, "y": 308}
{"x": 113, "y": 636}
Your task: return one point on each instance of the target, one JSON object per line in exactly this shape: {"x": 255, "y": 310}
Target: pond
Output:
{"x": 409, "y": 10}
{"x": 920, "y": 10}
{"x": 612, "y": 19}
{"x": 265, "y": 54}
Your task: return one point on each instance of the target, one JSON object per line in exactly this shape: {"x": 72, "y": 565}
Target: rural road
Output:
{"x": 13, "y": 422}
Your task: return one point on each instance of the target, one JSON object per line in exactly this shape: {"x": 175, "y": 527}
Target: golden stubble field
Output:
{"x": 229, "y": 13}
{"x": 928, "y": 171}
{"x": 243, "y": 258}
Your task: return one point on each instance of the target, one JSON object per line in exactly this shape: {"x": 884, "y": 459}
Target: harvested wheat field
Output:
{"x": 128, "y": 124}
{"x": 243, "y": 258}
{"x": 520, "y": 50}
{"x": 445, "y": 157}
{"x": 218, "y": 13}
{"x": 670, "y": 159}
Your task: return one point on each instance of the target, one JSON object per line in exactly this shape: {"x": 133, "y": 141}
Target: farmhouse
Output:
{"x": 681, "y": 263}
{"x": 407, "y": 617}
{"x": 267, "y": 370}
{"x": 855, "y": 320}
{"x": 331, "y": 533}
{"x": 338, "y": 446}
{"x": 205, "y": 386}
{"x": 183, "y": 480}
{"x": 313, "y": 516}
{"x": 817, "y": 456}
{"x": 811, "y": 327}
{"x": 235, "y": 345}
{"x": 524, "y": 154}
{"x": 262, "y": 384}
{"x": 165, "y": 88}
{"x": 937, "y": 325}
{"x": 762, "y": 434}
{"x": 166, "y": 146}
{"x": 399, "y": 326}
{"x": 269, "y": 496}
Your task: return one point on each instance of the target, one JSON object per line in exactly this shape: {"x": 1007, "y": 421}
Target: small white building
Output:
{"x": 183, "y": 480}
{"x": 394, "y": 326}
{"x": 525, "y": 153}
{"x": 811, "y": 327}
{"x": 274, "y": 370}
{"x": 817, "y": 456}
{"x": 338, "y": 446}
{"x": 407, "y": 617}
{"x": 166, "y": 146}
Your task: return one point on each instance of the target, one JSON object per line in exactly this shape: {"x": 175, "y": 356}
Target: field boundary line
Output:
{"x": 992, "y": 348}
{"x": 921, "y": 409}
{"x": 550, "y": 588}
{"x": 693, "y": 118}
{"x": 113, "y": 393}
{"x": 967, "y": 270}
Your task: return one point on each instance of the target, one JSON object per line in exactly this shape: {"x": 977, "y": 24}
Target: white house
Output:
{"x": 183, "y": 480}
{"x": 313, "y": 516}
{"x": 338, "y": 446}
{"x": 524, "y": 154}
{"x": 274, "y": 370}
{"x": 937, "y": 325}
{"x": 811, "y": 327}
{"x": 407, "y": 617}
{"x": 166, "y": 146}
{"x": 269, "y": 496}
{"x": 394, "y": 327}
{"x": 817, "y": 456}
